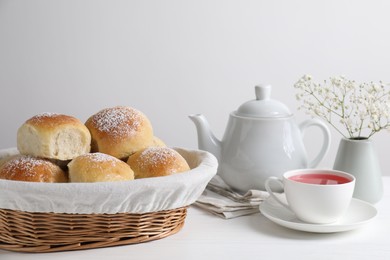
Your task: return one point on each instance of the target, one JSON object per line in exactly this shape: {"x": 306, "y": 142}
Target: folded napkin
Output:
{"x": 219, "y": 199}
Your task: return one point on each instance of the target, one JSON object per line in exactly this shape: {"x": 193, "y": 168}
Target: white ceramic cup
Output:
{"x": 319, "y": 203}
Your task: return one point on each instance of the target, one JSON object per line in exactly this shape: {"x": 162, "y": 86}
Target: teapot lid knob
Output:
{"x": 263, "y": 106}
{"x": 263, "y": 92}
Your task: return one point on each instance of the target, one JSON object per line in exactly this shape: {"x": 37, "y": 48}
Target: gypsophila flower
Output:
{"x": 354, "y": 110}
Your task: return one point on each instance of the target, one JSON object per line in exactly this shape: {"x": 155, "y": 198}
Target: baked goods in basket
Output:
{"x": 157, "y": 161}
{"x": 32, "y": 169}
{"x": 157, "y": 142}
{"x": 72, "y": 216}
{"x": 120, "y": 131}
{"x": 54, "y": 136}
{"x": 98, "y": 167}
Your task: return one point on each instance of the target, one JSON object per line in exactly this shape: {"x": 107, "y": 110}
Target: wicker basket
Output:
{"x": 50, "y": 232}
{"x": 146, "y": 212}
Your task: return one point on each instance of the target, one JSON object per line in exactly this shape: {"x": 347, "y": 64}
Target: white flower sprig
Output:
{"x": 360, "y": 109}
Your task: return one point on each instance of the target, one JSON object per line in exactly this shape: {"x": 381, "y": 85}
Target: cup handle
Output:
{"x": 271, "y": 193}
{"x": 326, "y": 136}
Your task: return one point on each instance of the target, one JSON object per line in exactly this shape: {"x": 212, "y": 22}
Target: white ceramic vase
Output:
{"x": 358, "y": 157}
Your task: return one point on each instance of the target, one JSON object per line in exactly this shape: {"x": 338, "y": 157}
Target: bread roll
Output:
{"x": 157, "y": 142}
{"x": 29, "y": 168}
{"x": 5, "y": 154}
{"x": 157, "y": 161}
{"x": 119, "y": 131}
{"x": 53, "y": 136}
{"x": 98, "y": 167}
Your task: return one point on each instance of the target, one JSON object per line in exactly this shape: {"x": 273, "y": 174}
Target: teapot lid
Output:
{"x": 263, "y": 105}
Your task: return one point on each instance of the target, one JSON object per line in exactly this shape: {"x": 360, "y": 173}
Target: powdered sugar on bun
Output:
{"x": 51, "y": 119}
{"x": 101, "y": 157}
{"x": 118, "y": 121}
{"x": 98, "y": 167}
{"x": 119, "y": 131}
{"x": 29, "y": 168}
{"x": 42, "y": 116}
{"x": 98, "y": 160}
{"x": 157, "y": 161}
{"x": 154, "y": 156}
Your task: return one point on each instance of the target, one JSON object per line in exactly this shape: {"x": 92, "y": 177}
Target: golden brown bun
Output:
{"x": 7, "y": 153}
{"x": 119, "y": 131}
{"x": 29, "y": 168}
{"x": 53, "y": 136}
{"x": 62, "y": 164}
{"x": 98, "y": 167}
{"x": 157, "y": 142}
{"x": 157, "y": 161}
{"x": 5, "y": 159}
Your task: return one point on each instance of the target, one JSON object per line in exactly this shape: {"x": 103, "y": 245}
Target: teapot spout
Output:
{"x": 206, "y": 139}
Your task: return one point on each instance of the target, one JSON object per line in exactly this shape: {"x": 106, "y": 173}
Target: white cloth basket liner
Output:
{"x": 136, "y": 196}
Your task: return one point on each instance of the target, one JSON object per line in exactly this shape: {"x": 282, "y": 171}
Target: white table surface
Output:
{"x": 205, "y": 236}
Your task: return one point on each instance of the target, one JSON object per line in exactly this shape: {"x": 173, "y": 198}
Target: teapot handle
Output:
{"x": 326, "y": 136}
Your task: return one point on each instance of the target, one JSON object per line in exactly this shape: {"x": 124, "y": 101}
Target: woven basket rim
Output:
{"x": 53, "y": 232}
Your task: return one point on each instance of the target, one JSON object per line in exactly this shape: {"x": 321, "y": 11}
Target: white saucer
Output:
{"x": 358, "y": 214}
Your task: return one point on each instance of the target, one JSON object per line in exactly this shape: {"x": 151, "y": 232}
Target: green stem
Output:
{"x": 360, "y": 127}
{"x": 322, "y": 103}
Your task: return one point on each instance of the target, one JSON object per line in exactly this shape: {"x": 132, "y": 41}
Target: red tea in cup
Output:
{"x": 320, "y": 179}
{"x": 318, "y": 196}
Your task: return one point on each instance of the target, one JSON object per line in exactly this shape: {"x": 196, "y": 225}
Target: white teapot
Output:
{"x": 260, "y": 140}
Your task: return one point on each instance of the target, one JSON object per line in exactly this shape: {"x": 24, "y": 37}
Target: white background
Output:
{"x": 173, "y": 58}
